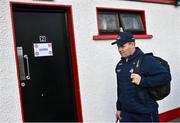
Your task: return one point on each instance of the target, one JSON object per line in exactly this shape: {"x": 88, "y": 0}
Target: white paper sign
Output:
{"x": 42, "y": 49}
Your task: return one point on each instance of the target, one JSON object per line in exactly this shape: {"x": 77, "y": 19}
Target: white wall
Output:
{"x": 102, "y": 57}
{"x": 9, "y": 93}
{"x": 96, "y": 59}
{"x": 178, "y": 84}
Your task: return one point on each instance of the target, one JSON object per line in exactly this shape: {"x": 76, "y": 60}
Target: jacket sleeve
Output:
{"x": 118, "y": 104}
{"x": 153, "y": 73}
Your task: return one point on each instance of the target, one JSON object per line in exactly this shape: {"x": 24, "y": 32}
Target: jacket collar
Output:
{"x": 137, "y": 53}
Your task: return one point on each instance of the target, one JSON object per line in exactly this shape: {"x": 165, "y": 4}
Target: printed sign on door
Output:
{"x": 42, "y": 49}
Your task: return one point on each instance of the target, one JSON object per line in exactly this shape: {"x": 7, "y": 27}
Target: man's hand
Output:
{"x": 136, "y": 78}
{"x": 118, "y": 114}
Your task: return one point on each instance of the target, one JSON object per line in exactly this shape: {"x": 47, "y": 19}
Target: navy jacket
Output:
{"x": 135, "y": 98}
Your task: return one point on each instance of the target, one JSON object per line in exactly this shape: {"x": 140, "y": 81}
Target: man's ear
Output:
{"x": 132, "y": 43}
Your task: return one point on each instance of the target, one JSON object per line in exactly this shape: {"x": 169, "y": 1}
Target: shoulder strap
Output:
{"x": 138, "y": 64}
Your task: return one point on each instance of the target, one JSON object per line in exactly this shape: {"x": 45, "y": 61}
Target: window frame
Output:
{"x": 171, "y": 2}
{"x": 107, "y": 36}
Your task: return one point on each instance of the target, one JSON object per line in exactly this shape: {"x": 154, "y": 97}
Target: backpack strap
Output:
{"x": 138, "y": 64}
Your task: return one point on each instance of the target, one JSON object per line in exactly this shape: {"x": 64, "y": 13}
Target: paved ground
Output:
{"x": 175, "y": 120}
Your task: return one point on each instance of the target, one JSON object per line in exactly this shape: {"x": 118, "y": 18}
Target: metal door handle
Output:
{"x": 27, "y": 65}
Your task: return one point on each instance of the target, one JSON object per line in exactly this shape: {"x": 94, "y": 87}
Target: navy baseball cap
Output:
{"x": 123, "y": 38}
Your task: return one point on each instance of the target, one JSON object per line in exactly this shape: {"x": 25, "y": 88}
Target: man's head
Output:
{"x": 126, "y": 44}
{"x": 123, "y": 38}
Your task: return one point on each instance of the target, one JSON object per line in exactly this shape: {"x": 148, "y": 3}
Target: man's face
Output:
{"x": 126, "y": 50}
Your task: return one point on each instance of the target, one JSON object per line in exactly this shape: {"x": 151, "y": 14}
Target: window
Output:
{"x": 132, "y": 23}
{"x": 110, "y": 22}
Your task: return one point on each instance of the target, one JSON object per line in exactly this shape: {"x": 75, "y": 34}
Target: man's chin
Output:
{"x": 123, "y": 56}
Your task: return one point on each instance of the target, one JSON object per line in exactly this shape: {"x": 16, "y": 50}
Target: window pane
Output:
{"x": 108, "y": 22}
{"x": 132, "y": 22}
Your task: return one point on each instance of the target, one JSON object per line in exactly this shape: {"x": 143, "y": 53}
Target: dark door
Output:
{"x": 44, "y": 62}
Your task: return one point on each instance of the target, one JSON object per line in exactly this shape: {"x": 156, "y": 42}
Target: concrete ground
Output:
{"x": 175, "y": 120}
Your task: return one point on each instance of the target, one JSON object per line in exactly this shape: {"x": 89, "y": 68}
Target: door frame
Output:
{"x": 72, "y": 48}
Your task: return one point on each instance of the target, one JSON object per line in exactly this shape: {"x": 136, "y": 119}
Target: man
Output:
{"x": 134, "y": 104}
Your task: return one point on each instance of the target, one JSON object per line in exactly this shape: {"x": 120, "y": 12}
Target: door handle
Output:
{"x": 21, "y": 63}
{"x": 27, "y": 65}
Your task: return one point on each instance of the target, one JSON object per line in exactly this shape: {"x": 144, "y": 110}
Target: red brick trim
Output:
{"x": 170, "y": 115}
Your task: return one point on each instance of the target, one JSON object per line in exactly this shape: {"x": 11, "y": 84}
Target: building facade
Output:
{"x": 94, "y": 57}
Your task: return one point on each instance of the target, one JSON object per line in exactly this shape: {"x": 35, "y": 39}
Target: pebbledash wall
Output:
{"x": 96, "y": 58}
